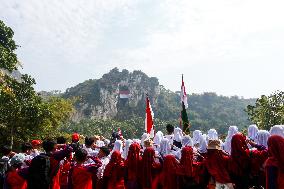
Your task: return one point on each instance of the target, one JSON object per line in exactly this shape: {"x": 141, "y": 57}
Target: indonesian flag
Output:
{"x": 149, "y": 123}
{"x": 183, "y": 97}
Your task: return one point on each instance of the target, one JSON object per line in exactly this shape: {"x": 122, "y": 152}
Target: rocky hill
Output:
{"x": 120, "y": 95}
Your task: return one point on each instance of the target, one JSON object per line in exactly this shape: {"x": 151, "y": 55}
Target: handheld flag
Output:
{"x": 183, "y": 97}
{"x": 149, "y": 123}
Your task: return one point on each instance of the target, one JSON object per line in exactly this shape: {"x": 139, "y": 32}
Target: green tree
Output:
{"x": 268, "y": 110}
{"x": 8, "y": 57}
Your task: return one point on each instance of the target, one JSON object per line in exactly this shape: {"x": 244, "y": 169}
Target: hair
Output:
{"x": 105, "y": 150}
{"x": 89, "y": 141}
{"x": 6, "y": 149}
{"x": 170, "y": 128}
{"x": 48, "y": 145}
{"x": 61, "y": 140}
{"x": 26, "y": 146}
{"x": 81, "y": 155}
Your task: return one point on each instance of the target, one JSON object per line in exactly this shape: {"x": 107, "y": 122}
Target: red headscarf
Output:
{"x": 149, "y": 164}
{"x": 75, "y": 137}
{"x": 276, "y": 152}
{"x": 218, "y": 170}
{"x": 186, "y": 162}
{"x": 170, "y": 165}
{"x": 133, "y": 161}
{"x": 239, "y": 155}
{"x": 115, "y": 161}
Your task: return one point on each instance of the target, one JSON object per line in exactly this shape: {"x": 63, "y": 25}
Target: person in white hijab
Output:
{"x": 117, "y": 146}
{"x": 157, "y": 140}
{"x": 277, "y": 130}
{"x": 143, "y": 138}
{"x": 262, "y": 137}
{"x": 177, "y": 137}
{"x": 252, "y": 132}
{"x": 197, "y": 135}
{"x": 227, "y": 144}
{"x": 126, "y": 148}
{"x": 202, "y": 148}
{"x": 165, "y": 147}
{"x": 212, "y": 135}
{"x": 185, "y": 141}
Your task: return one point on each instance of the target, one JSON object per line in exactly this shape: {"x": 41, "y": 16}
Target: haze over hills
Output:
{"x": 120, "y": 95}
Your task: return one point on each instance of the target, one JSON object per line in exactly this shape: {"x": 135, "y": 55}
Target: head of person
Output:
{"x": 118, "y": 146}
{"x": 104, "y": 152}
{"x": 196, "y": 136}
{"x": 213, "y": 146}
{"x": 262, "y": 137}
{"x": 61, "y": 140}
{"x": 80, "y": 155}
{"x": 170, "y": 129}
{"x": 126, "y": 148}
{"x": 148, "y": 143}
{"x": 276, "y": 151}
{"x": 178, "y": 134}
{"x": 165, "y": 147}
{"x": 27, "y": 148}
{"x": 186, "y": 141}
{"x": 89, "y": 142}
{"x": 232, "y": 130}
{"x": 212, "y": 134}
{"x": 17, "y": 160}
{"x": 252, "y": 132}
{"x": 36, "y": 144}
{"x": 75, "y": 137}
{"x": 48, "y": 145}
{"x": 277, "y": 130}
{"x": 6, "y": 150}
{"x": 158, "y": 137}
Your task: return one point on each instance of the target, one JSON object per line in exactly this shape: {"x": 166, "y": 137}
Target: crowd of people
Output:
{"x": 168, "y": 161}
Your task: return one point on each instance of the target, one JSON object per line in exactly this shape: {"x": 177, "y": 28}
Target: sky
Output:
{"x": 231, "y": 47}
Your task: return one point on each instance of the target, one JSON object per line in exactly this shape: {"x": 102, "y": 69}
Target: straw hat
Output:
{"x": 214, "y": 145}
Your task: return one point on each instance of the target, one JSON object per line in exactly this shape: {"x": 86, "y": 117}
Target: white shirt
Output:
{"x": 101, "y": 169}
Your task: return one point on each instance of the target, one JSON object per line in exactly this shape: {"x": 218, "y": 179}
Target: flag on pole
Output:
{"x": 184, "y": 117}
{"x": 183, "y": 96}
{"x": 149, "y": 118}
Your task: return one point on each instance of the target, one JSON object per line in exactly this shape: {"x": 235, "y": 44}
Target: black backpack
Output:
{"x": 39, "y": 172}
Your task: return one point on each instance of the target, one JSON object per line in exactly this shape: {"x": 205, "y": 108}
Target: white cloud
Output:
{"x": 231, "y": 47}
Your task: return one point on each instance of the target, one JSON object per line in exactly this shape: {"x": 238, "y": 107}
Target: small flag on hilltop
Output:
{"x": 184, "y": 117}
{"x": 149, "y": 119}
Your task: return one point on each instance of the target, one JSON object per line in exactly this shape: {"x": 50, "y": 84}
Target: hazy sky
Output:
{"x": 232, "y": 47}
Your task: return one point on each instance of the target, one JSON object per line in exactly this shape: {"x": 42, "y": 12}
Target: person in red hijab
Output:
{"x": 133, "y": 167}
{"x": 114, "y": 172}
{"x": 168, "y": 178}
{"x": 240, "y": 163}
{"x": 150, "y": 169}
{"x": 274, "y": 165}
{"x": 188, "y": 171}
{"x": 80, "y": 176}
{"x": 216, "y": 163}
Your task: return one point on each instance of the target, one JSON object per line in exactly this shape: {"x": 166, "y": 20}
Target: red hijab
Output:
{"x": 170, "y": 165}
{"x": 218, "y": 170}
{"x": 239, "y": 155}
{"x": 115, "y": 162}
{"x": 149, "y": 164}
{"x": 276, "y": 152}
{"x": 133, "y": 161}
{"x": 186, "y": 161}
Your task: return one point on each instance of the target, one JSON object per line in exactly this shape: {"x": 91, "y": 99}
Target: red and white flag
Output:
{"x": 149, "y": 119}
{"x": 183, "y": 97}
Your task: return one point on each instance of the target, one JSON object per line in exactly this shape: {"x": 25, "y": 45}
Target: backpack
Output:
{"x": 39, "y": 172}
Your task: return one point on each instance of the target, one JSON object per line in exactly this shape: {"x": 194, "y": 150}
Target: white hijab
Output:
{"x": 158, "y": 138}
{"x": 197, "y": 135}
{"x": 231, "y": 132}
{"x": 202, "y": 148}
{"x": 252, "y": 132}
{"x": 117, "y": 146}
{"x": 165, "y": 147}
{"x": 212, "y": 135}
{"x": 178, "y": 134}
{"x": 186, "y": 141}
{"x": 277, "y": 130}
{"x": 100, "y": 143}
{"x": 143, "y": 138}
{"x": 126, "y": 148}
{"x": 262, "y": 137}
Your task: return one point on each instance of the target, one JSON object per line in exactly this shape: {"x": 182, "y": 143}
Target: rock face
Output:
{"x": 101, "y": 98}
